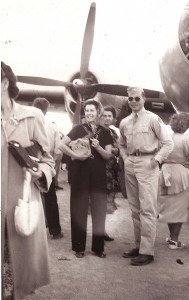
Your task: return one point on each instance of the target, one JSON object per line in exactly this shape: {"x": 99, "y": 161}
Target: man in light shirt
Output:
{"x": 144, "y": 144}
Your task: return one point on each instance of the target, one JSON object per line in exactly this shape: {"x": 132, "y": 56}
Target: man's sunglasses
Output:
{"x": 137, "y": 99}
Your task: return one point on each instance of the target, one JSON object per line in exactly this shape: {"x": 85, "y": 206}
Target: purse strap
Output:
{"x": 90, "y": 133}
{"x": 27, "y": 186}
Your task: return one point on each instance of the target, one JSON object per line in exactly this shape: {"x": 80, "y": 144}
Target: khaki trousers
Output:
{"x": 142, "y": 190}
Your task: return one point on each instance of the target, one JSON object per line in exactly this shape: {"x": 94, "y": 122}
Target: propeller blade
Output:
{"x": 113, "y": 89}
{"x": 119, "y": 90}
{"x": 87, "y": 41}
{"x": 43, "y": 81}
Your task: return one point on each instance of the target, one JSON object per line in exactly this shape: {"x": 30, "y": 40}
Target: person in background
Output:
{"x": 88, "y": 179}
{"x": 25, "y": 259}
{"x": 144, "y": 145}
{"x": 174, "y": 181}
{"x": 50, "y": 198}
{"x": 108, "y": 119}
{"x": 58, "y": 166}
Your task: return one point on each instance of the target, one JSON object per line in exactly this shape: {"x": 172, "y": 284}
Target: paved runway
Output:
{"x": 113, "y": 278}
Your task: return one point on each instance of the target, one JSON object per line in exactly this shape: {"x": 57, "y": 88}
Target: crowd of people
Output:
{"x": 155, "y": 164}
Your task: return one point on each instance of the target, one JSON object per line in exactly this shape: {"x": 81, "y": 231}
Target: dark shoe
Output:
{"x": 79, "y": 254}
{"x": 132, "y": 253}
{"x": 107, "y": 238}
{"x": 142, "y": 260}
{"x": 100, "y": 254}
{"x": 58, "y": 236}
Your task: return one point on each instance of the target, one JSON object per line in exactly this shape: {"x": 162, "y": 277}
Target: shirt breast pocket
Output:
{"x": 143, "y": 129}
{"x": 128, "y": 131}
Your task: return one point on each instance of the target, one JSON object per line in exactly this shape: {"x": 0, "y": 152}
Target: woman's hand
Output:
{"x": 35, "y": 174}
{"x": 95, "y": 143}
{"x": 115, "y": 150}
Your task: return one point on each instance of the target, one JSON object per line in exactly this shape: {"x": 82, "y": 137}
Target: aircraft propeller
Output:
{"x": 85, "y": 58}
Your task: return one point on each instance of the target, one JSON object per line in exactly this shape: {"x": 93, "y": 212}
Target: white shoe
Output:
{"x": 175, "y": 245}
{"x": 168, "y": 240}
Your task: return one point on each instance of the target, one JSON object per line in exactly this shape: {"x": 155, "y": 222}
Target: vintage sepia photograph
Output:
{"x": 94, "y": 150}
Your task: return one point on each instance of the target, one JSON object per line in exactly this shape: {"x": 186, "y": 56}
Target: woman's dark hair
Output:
{"x": 179, "y": 122}
{"x": 94, "y": 102}
{"x": 111, "y": 109}
{"x": 6, "y": 72}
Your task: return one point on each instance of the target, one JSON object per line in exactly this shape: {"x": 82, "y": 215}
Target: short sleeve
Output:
{"x": 105, "y": 138}
{"x": 76, "y": 132}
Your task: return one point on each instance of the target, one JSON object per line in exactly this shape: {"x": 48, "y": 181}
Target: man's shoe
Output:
{"x": 100, "y": 254}
{"x": 107, "y": 238}
{"x": 132, "y": 253}
{"x": 58, "y": 236}
{"x": 142, "y": 260}
{"x": 79, "y": 254}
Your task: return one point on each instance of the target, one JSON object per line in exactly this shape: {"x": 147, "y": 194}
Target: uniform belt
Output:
{"x": 138, "y": 153}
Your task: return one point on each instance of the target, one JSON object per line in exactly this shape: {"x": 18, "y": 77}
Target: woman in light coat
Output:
{"x": 26, "y": 256}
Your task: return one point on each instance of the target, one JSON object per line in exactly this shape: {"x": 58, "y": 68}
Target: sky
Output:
{"x": 44, "y": 38}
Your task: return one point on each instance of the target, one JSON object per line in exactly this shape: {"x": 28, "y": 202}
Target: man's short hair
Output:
{"x": 41, "y": 103}
{"x": 131, "y": 89}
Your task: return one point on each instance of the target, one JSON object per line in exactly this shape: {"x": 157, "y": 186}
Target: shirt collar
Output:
{"x": 20, "y": 112}
{"x": 139, "y": 113}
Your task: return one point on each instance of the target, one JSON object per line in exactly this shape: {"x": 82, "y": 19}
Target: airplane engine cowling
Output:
{"x": 174, "y": 66}
{"x": 71, "y": 95}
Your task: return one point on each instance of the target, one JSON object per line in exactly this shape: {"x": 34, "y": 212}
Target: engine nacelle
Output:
{"x": 174, "y": 66}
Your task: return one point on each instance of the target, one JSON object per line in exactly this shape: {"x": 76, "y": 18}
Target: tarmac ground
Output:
{"x": 113, "y": 278}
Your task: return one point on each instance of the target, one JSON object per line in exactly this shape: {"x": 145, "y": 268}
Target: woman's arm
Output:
{"x": 105, "y": 153}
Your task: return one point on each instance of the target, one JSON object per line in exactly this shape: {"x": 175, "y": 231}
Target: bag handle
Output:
{"x": 27, "y": 186}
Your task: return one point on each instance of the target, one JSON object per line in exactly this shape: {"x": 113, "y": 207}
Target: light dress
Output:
{"x": 174, "y": 183}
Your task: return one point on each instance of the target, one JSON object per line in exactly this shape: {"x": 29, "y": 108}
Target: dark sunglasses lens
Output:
{"x": 137, "y": 99}
{"x": 130, "y": 99}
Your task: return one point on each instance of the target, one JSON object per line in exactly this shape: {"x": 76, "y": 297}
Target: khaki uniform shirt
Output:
{"x": 146, "y": 133}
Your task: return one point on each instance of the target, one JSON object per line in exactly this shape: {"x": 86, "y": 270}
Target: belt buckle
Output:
{"x": 137, "y": 153}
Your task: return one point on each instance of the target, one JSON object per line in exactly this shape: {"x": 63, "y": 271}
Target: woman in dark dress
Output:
{"x": 112, "y": 166}
{"x": 88, "y": 179}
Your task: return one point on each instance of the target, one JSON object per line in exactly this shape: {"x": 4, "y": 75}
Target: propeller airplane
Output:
{"x": 169, "y": 94}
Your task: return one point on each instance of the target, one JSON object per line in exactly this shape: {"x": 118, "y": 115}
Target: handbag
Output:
{"x": 81, "y": 146}
{"x": 27, "y": 211}
{"x": 22, "y": 156}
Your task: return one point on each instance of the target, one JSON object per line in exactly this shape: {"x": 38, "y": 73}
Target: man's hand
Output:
{"x": 154, "y": 162}
{"x": 186, "y": 164}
